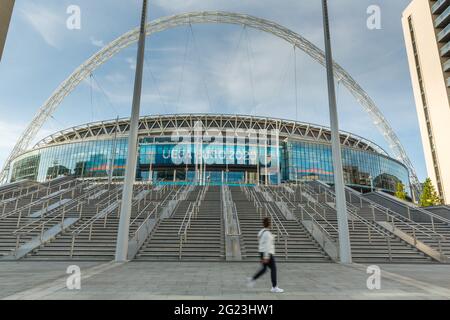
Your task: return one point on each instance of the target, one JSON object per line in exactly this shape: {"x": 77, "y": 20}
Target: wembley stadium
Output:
{"x": 204, "y": 182}
{"x": 231, "y": 149}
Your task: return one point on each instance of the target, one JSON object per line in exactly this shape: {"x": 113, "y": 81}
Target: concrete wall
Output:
{"x": 6, "y": 8}
{"x": 435, "y": 89}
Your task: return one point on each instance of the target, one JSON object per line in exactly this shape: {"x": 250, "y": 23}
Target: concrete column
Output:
{"x": 341, "y": 206}
{"x": 130, "y": 171}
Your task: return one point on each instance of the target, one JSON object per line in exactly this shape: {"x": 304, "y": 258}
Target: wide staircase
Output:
{"x": 370, "y": 243}
{"x": 25, "y": 206}
{"x": 426, "y": 226}
{"x": 201, "y": 230}
{"x": 296, "y": 246}
{"x": 94, "y": 236}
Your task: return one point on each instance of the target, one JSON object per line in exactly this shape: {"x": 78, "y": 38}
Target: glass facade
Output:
{"x": 362, "y": 169}
{"x": 223, "y": 161}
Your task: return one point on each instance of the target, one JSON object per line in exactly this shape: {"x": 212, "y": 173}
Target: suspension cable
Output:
{"x": 250, "y": 69}
{"x": 104, "y": 93}
{"x": 92, "y": 96}
{"x": 296, "y": 85}
{"x": 198, "y": 61}
{"x": 232, "y": 58}
{"x": 180, "y": 88}
{"x": 158, "y": 91}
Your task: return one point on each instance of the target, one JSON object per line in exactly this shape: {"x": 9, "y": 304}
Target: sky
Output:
{"x": 207, "y": 68}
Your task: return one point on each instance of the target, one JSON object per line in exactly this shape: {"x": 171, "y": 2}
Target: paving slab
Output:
{"x": 220, "y": 281}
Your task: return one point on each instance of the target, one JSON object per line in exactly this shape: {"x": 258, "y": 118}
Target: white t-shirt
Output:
{"x": 266, "y": 242}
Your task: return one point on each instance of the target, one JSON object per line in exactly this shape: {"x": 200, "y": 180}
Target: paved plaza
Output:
{"x": 189, "y": 280}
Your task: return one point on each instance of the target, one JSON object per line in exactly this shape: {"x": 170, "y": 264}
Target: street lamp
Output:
{"x": 130, "y": 171}
{"x": 341, "y": 205}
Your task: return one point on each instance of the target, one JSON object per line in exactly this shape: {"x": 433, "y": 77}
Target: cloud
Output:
{"x": 97, "y": 43}
{"x": 10, "y": 133}
{"x": 46, "y": 22}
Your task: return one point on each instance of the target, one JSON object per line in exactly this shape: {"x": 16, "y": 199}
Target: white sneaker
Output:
{"x": 250, "y": 282}
{"x": 276, "y": 290}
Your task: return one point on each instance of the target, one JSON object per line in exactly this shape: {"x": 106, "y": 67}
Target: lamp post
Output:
{"x": 130, "y": 171}
{"x": 341, "y": 205}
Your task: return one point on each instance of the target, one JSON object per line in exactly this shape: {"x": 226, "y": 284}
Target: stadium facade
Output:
{"x": 230, "y": 149}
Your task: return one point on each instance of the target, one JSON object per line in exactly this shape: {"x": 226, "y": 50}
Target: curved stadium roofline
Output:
{"x": 160, "y": 123}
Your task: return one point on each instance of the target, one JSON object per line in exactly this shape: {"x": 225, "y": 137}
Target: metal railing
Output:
{"x": 430, "y": 214}
{"x": 44, "y": 202}
{"x": 230, "y": 213}
{"x": 280, "y": 230}
{"x": 109, "y": 208}
{"x": 191, "y": 212}
{"x": 392, "y": 217}
{"x": 41, "y": 224}
{"x": 396, "y": 219}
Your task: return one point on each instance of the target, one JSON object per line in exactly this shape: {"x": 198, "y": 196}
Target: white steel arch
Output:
{"x": 83, "y": 71}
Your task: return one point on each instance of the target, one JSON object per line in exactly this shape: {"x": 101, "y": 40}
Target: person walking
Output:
{"x": 267, "y": 254}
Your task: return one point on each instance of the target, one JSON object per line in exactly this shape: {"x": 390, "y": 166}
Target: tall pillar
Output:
{"x": 341, "y": 206}
{"x": 130, "y": 171}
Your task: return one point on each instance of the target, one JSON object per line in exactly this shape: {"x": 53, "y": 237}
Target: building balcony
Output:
{"x": 439, "y": 6}
{"x": 444, "y": 35}
{"x": 445, "y": 50}
{"x": 443, "y": 19}
{"x": 446, "y": 66}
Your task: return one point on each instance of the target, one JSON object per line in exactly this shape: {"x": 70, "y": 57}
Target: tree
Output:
{"x": 400, "y": 192}
{"x": 429, "y": 195}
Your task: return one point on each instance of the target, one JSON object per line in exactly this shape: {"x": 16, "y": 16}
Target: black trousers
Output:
{"x": 273, "y": 270}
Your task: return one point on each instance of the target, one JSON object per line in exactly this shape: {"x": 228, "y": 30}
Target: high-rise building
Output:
{"x": 6, "y": 8}
{"x": 426, "y": 26}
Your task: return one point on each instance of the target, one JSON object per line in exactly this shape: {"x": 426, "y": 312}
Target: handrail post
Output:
{"x": 389, "y": 249}
{"x": 72, "y": 246}
{"x": 19, "y": 218}
{"x": 90, "y": 231}
{"x": 17, "y": 242}
{"x": 42, "y": 231}
{"x": 286, "y": 247}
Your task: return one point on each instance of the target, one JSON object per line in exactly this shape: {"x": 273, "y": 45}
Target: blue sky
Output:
{"x": 211, "y": 68}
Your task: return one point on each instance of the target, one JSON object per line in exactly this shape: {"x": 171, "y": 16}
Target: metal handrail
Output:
{"x": 323, "y": 217}
{"x": 13, "y": 190}
{"x": 281, "y": 232}
{"x": 316, "y": 223}
{"x": 75, "y": 202}
{"x": 397, "y": 217}
{"x": 350, "y": 206}
{"x": 370, "y": 226}
{"x": 107, "y": 201}
{"x": 231, "y": 212}
{"x": 431, "y": 214}
{"x": 393, "y": 218}
{"x": 29, "y": 206}
{"x": 302, "y": 210}
{"x": 41, "y": 225}
{"x": 276, "y": 220}
{"x": 354, "y": 214}
{"x": 185, "y": 224}
{"x": 153, "y": 212}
